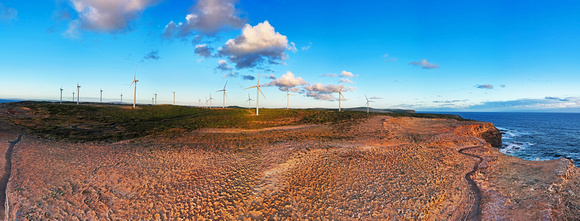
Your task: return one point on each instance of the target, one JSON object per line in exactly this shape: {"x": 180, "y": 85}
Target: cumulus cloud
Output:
{"x": 7, "y": 13}
{"x": 321, "y": 96}
{"x": 325, "y": 92}
{"x": 207, "y": 17}
{"x": 106, "y": 15}
{"x": 153, "y": 55}
{"x": 484, "y": 86}
{"x": 248, "y": 77}
{"x": 203, "y": 50}
{"x": 256, "y": 45}
{"x": 347, "y": 74}
{"x": 287, "y": 81}
{"x": 424, "y": 64}
{"x": 330, "y": 88}
{"x": 223, "y": 65}
{"x": 344, "y": 80}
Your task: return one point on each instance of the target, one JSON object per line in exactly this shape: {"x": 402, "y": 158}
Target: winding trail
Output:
{"x": 6, "y": 177}
{"x": 474, "y": 212}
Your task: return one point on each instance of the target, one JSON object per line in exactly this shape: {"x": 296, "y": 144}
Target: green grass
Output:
{"x": 115, "y": 122}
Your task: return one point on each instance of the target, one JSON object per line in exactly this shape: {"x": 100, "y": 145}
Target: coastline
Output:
{"x": 376, "y": 168}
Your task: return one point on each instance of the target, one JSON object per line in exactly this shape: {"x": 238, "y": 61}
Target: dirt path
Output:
{"x": 6, "y": 177}
{"x": 474, "y": 212}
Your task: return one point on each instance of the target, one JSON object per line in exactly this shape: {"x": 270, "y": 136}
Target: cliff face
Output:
{"x": 485, "y": 131}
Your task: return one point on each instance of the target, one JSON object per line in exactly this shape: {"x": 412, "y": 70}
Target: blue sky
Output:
{"x": 439, "y": 55}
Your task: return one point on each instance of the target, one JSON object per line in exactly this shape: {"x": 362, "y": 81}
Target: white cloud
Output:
{"x": 106, "y": 15}
{"x": 347, "y": 74}
{"x": 330, "y": 75}
{"x": 292, "y": 47}
{"x": 203, "y": 50}
{"x": 321, "y": 96}
{"x": 424, "y": 64}
{"x": 255, "y": 45}
{"x": 208, "y": 17}
{"x": 287, "y": 81}
{"x": 345, "y": 80}
{"x": 7, "y": 13}
{"x": 330, "y": 88}
{"x": 223, "y": 65}
{"x": 343, "y": 74}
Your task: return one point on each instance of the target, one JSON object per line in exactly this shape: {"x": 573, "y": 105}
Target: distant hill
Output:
{"x": 372, "y": 110}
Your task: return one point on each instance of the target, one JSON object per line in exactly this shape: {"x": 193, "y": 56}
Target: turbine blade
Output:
{"x": 260, "y": 90}
{"x": 250, "y": 88}
{"x": 225, "y": 85}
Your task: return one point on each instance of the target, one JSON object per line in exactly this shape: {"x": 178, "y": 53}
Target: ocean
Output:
{"x": 535, "y": 136}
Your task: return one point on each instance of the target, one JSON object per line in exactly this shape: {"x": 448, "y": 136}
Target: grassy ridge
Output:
{"x": 93, "y": 122}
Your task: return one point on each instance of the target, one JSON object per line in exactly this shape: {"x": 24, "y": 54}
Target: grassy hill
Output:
{"x": 113, "y": 122}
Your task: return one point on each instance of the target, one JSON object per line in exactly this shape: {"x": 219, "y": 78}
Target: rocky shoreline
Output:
{"x": 377, "y": 168}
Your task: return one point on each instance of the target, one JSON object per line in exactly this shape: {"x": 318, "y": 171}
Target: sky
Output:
{"x": 425, "y": 56}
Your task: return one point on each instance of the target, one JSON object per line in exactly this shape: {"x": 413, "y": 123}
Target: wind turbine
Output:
{"x": 339, "y": 96}
{"x": 258, "y": 91}
{"x": 152, "y": 101}
{"x": 199, "y": 103}
{"x": 155, "y": 97}
{"x": 224, "y": 96}
{"x": 174, "y": 98}
{"x": 121, "y": 97}
{"x": 61, "y": 94}
{"x": 368, "y": 101}
{"x": 78, "y": 93}
{"x": 101, "y": 95}
{"x": 206, "y": 102}
{"x": 288, "y": 99}
{"x": 210, "y": 98}
{"x": 73, "y": 96}
{"x": 135, "y": 90}
{"x": 249, "y": 101}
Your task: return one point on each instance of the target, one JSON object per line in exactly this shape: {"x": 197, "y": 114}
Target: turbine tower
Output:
{"x": 339, "y": 96}
{"x": 152, "y": 100}
{"x": 210, "y": 98}
{"x": 155, "y": 97}
{"x": 258, "y": 91}
{"x": 101, "y": 95}
{"x": 206, "y": 100}
{"x": 174, "y": 98}
{"x": 135, "y": 90}
{"x": 121, "y": 97}
{"x": 368, "y": 101}
{"x": 199, "y": 103}
{"x": 78, "y": 93}
{"x": 61, "y": 94}
{"x": 73, "y": 96}
{"x": 249, "y": 101}
{"x": 288, "y": 99}
{"x": 224, "y": 96}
